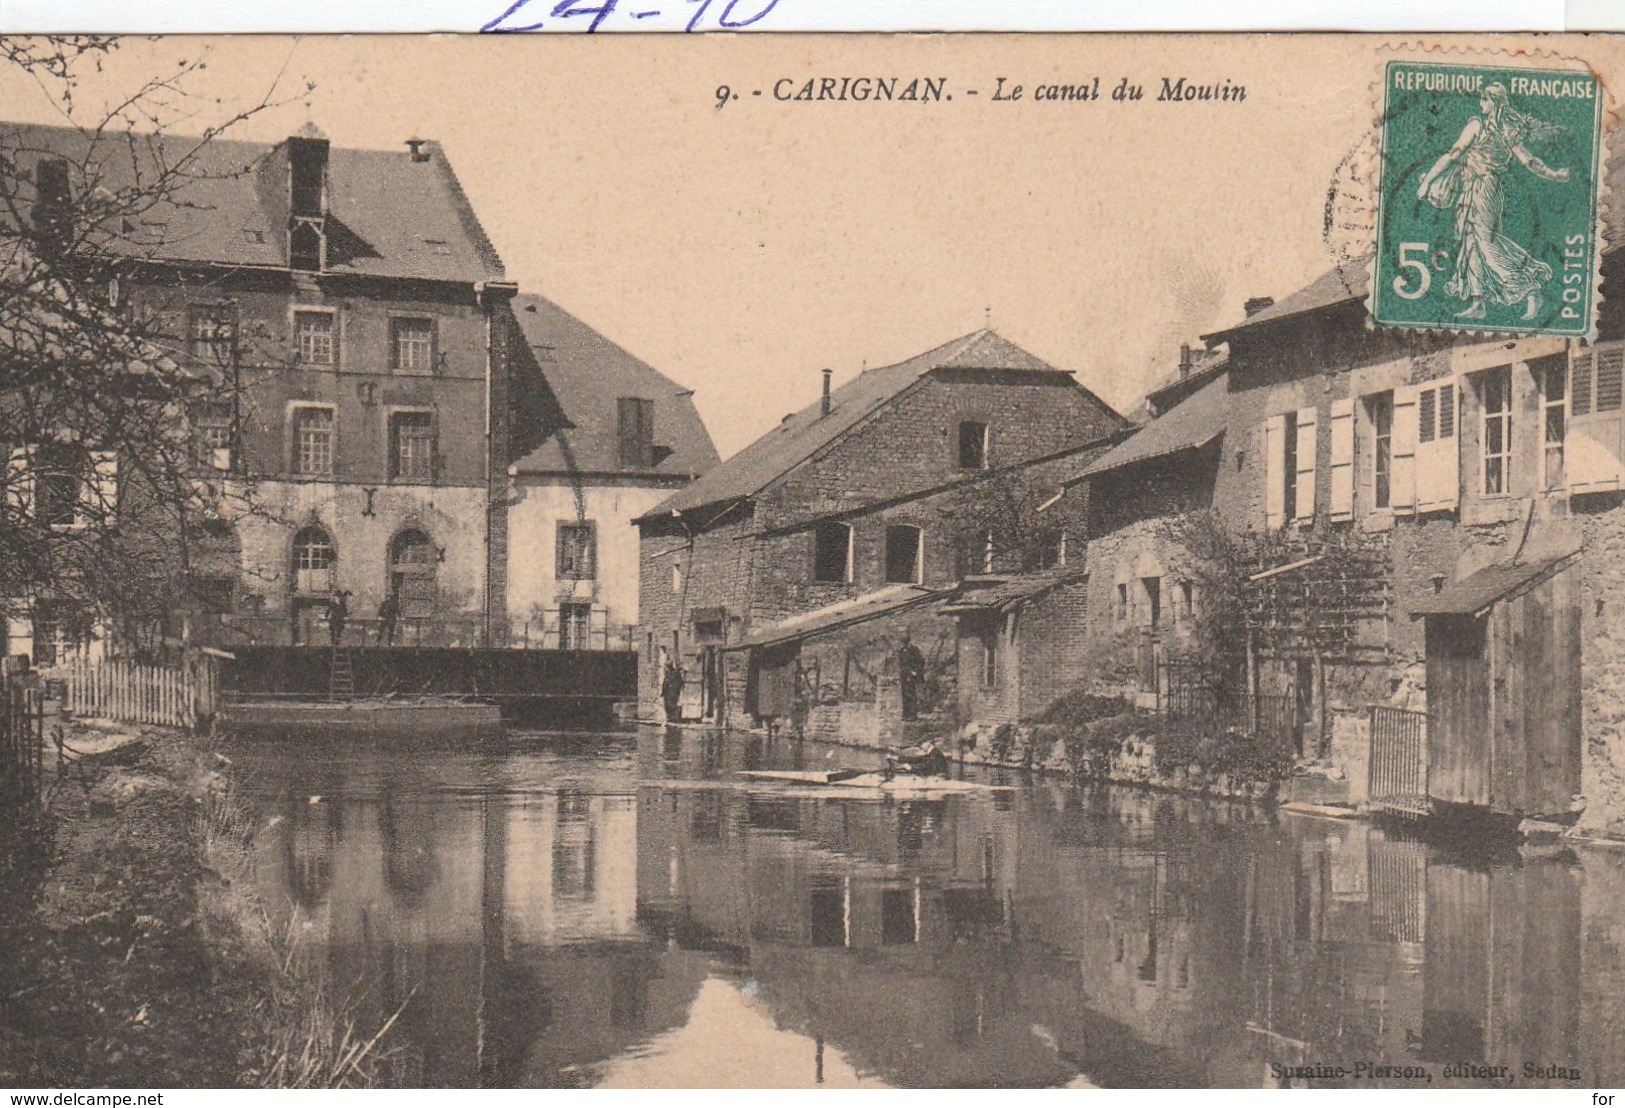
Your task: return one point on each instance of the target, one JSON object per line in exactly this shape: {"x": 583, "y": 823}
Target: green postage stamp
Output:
{"x": 1487, "y": 215}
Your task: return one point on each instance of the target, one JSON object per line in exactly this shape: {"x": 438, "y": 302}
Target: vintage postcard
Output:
{"x": 751, "y": 561}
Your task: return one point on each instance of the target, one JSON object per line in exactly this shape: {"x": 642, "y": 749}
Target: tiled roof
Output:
{"x": 803, "y": 434}
{"x": 1192, "y": 423}
{"x": 861, "y": 609}
{"x": 1002, "y": 594}
{"x": 389, "y": 216}
{"x": 587, "y": 374}
{"x": 1478, "y": 592}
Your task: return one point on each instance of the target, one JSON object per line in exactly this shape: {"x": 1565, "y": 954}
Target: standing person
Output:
{"x": 671, "y": 690}
{"x": 1467, "y": 177}
{"x": 338, "y": 613}
{"x": 388, "y": 612}
{"x": 910, "y": 674}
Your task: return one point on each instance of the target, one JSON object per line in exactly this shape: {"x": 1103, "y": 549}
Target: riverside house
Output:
{"x": 798, "y": 580}
{"x": 1440, "y": 522}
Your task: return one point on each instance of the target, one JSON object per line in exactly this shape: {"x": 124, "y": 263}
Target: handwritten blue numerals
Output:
{"x": 590, "y": 15}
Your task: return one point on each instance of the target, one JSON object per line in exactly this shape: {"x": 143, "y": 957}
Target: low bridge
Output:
{"x": 501, "y": 676}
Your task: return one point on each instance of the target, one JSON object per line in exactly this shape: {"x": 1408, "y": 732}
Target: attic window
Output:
{"x": 636, "y": 417}
{"x": 972, "y": 445}
{"x": 305, "y": 246}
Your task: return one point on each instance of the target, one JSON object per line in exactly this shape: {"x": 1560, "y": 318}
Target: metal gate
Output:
{"x": 1398, "y": 779}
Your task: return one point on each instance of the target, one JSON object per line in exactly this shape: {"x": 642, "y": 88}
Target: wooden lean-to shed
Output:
{"x": 1503, "y": 672}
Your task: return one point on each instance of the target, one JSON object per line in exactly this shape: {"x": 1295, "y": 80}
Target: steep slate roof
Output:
{"x": 802, "y": 435}
{"x": 1188, "y": 425}
{"x": 1479, "y": 592}
{"x": 587, "y": 374}
{"x": 389, "y": 216}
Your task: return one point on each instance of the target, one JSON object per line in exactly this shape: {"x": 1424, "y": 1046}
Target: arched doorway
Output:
{"x": 412, "y": 562}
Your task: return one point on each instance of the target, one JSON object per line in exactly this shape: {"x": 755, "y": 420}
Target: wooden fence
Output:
{"x": 22, "y": 742}
{"x": 172, "y": 696}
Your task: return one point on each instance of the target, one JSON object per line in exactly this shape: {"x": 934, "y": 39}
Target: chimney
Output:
{"x": 823, "y": 409}
{"x": 1184, "y": 360}
{"x": 416, "y": 145}
{"x": 1256, "y": 304}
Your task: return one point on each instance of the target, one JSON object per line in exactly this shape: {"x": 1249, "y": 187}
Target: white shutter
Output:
{"x": 1438, "y": 457}
{"x": 20, "y": 482}
{"x": 1305, "y": 499}
{"x": 1342, "y": 475}
{"x": 1275, "y": 472}
{"x": 100, "y": 491}
{"x": 1402, "y": 494}
{"x": 1593, "y": 452}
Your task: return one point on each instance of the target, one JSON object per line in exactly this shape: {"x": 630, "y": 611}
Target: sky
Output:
{"x": 742, "y": 250}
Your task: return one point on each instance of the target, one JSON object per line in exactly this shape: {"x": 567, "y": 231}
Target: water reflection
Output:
{"x": 626, "y": 912}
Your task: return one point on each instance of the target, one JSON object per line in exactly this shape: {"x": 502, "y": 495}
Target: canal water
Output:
{"x": 624, "y": 910}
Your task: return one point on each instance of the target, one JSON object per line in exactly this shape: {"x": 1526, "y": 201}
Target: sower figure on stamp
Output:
{"x": 1489, "y": 266}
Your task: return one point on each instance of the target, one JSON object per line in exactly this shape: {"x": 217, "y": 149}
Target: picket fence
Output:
{"x": 182, "y": 696}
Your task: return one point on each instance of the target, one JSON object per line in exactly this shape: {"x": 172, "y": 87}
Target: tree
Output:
{"x": 109, "y": 418}
{"x": 1280, "y": 592}
{"x": 998, "y": 525}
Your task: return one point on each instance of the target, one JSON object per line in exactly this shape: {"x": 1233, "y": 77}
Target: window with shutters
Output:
{"x": 1289, "y": 466}
{"x": 1380, "y": 417}
{"x": 1438, "y": 466}
{"x": 1342, "y": 478}
{"x": 1552, "y": 378}
{"x": 576, "y": 554}
{"x": 1495, "y": 438}
{"x": 1594, "y": 441}
{"x": 636, "y": 420}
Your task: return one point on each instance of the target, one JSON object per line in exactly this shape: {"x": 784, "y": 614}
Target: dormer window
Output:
{"x": 307, "y": 202}
{"x": 305, "y": 246}
{"x": 636, "y": 419}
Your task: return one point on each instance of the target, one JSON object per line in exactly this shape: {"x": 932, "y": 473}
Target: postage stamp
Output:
{"x": 1487, "y": 207}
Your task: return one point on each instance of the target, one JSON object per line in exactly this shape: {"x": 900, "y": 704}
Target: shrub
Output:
{"x": 1078, "y": 707}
